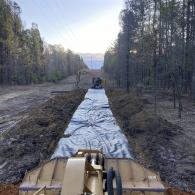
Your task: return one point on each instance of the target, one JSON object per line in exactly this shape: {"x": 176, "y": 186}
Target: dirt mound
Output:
{"x": 153, "y": 140}
{"x": 144, "y": 122}
{"x": 124, "y": 106}
{"x": 34, "y": 139}
{"x": 172, "y": 191}
{"x": 8, "y": 189}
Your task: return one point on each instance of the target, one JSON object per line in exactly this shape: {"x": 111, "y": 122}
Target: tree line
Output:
{"x": 24, "y": 57}
{"x": 155, "y": 47}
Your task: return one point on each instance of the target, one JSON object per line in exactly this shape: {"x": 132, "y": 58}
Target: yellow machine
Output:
{"x": 88, "y": 172}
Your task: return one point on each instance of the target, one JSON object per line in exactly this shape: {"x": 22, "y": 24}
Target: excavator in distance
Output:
{"x": 97, "y": 83}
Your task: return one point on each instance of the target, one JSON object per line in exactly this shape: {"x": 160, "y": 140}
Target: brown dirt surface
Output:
{"x": 13, "y": 190}
{"x": 34, "y": 139}
{"x": 156, "y": 143}
{"x": 8, "y": 189}
{"x": 17, "y": 101}
{"x": 172, "y": 191}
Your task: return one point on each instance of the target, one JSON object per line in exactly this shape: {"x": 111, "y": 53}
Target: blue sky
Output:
{"x": 86, "y": 26}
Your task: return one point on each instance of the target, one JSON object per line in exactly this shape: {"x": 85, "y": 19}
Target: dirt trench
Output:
{"x": 156, "y": 143}
{"x": 34, "y": 139}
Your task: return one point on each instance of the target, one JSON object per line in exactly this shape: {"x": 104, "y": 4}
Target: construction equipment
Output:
{"x": 97, "y": 83}
{"x": 88, "y": 172}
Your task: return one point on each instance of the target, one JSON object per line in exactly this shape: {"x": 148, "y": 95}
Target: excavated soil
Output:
{"x": 156, "y": 143}
{"x": 34, "y": 139}
{"x": 8, "y": 189}
{"x": 172, "y": 191}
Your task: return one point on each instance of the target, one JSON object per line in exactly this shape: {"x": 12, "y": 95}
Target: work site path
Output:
{"x": 93, "y": 126}
{"x": 17, "y": 101}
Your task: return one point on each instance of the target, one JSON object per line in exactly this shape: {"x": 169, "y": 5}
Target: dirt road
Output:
{"x": 16, "y": 101}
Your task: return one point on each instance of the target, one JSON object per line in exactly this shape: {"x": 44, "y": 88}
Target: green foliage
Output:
{"x": 24, "y": 57}
{"x": 157, "y": 40}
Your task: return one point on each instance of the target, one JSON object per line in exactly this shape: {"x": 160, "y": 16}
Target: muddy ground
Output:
{"x": 13, "y": 190}
{"x": 156, "y": 142}
{"x": 32, "y": 118}
{"x": 9, "y": 189}
{"x": 34, "y": 139}
{"x": 17, "y": 101}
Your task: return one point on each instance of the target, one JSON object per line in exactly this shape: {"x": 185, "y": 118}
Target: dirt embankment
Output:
{"x": 8, "y": 189}
{"x": 155, "y": 141}
{"x": 34, "y": 138}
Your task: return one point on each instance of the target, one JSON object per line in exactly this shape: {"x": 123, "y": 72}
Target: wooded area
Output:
{"x": 155, "y": 47}
{"x": 24, "y": 57}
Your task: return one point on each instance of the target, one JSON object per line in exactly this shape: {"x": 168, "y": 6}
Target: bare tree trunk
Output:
{"x": 127, "y": 58}
{"x": 183, "y": 42}
{"x": 193, "y": 83}
{"x": 174, "y": 96}
{"x": 193, "y": 62}
{"x": 155, "y": 57}
{"x": 187, "y": 46}
{"x": 180, "y": 107}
